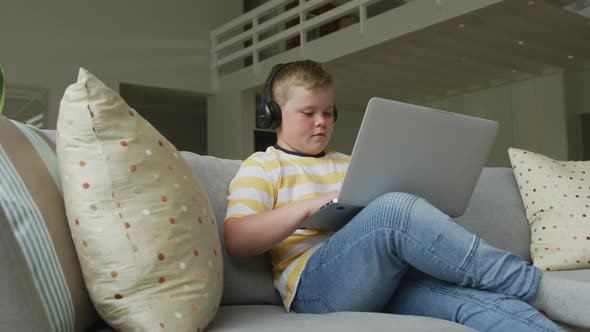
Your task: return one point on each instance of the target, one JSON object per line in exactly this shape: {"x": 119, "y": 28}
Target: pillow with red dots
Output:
{"x": 142, "y": 225}
{"x": 556, "y": 198}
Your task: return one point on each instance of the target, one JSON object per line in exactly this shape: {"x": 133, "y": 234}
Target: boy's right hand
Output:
{"x": 316, "y": 203}
{"x": 254, "y": 234}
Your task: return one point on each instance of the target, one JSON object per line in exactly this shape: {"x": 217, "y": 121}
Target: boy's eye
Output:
{"x": 328, "y": 114}
{"x": 308, "y": 113}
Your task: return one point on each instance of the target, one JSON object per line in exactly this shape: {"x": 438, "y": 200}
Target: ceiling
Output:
{"x": 500, "y": 44}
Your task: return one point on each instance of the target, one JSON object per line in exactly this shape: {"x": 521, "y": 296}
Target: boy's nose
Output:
{"x": 320, "y": 120}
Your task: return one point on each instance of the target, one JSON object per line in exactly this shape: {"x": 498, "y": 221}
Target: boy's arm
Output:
{"x": 255, "y": 234}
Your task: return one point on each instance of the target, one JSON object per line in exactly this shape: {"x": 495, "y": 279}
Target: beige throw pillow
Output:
{"x": 556, "y": 197}
{"x": 141, "y": 222}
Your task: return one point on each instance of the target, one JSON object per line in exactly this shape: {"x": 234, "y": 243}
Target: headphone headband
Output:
{"x": 268, "y": 84}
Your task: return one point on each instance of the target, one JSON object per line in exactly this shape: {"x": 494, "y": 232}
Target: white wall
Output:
{"x": 586, "y": 92}
{"x": 345, "y": 130}
{"x": 577, "y": 99}
{"x": 531, "y": 115}
{"x": 147, "y": 42}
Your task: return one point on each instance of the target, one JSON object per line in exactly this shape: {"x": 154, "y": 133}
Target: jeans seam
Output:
{"x": 533, "y": 288}
{"x": 434, "y": 243}
{"x": 403, "y": 226}
{"x": 409, "y": 211}
{"x": 468, "y": 260}
{"x": 481, "y": 303}
{"x": 305, "y": 271}
{"x": 314, "y": 299}
{"x": 469, "y": 254}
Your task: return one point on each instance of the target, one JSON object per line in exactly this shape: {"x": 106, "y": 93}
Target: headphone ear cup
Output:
{"x": 335, "y": 113}
{"x": 263, "y": 117}
{"x": 275, "y": 114}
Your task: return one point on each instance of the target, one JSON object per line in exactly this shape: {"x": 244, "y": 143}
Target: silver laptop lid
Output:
{"x": 430, "y": 153}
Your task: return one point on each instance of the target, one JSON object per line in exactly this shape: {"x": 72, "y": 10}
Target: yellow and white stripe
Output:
{"x": 274, "y": 178}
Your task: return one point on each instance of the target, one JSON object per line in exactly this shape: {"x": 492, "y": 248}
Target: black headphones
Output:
{"x": 269, "y": 116}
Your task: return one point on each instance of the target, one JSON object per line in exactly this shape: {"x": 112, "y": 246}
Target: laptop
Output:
{"x": 400, "y": 147}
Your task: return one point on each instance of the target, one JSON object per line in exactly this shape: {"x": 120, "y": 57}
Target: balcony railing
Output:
{"x": 281, "y": 25}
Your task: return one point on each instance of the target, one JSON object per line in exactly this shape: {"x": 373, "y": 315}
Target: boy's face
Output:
{"x": 307, "y": 120}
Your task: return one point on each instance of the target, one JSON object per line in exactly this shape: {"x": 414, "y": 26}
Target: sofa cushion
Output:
{"x": 495, "y": 212}
{"x": 246, "y": 280}
{"x": 556, "y": 198}
{"x": 257, "y": 318}
{"x": 141, "y": 221}
{"x": 41, "y": 287}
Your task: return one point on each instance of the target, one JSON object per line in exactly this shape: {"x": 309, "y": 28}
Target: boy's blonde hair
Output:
{"x": 305, "y": 73}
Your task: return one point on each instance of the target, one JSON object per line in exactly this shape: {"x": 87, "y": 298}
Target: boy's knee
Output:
{"x": 393, "y": 200}
{"x": 391, "y": 209}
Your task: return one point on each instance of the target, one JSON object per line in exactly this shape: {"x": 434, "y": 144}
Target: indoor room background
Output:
{"x": 195, "y": 69}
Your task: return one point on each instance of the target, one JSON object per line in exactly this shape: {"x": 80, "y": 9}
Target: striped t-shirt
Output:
{"x": 274, "y": 178}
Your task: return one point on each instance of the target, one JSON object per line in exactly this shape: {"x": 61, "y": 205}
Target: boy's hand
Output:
{"x": 317, "y": 202}
{"x": 333, "y": 194}
{"x": 254, "y": 234}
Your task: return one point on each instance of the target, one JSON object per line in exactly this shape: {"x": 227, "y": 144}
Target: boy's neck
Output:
{"x": 300, "y": 154}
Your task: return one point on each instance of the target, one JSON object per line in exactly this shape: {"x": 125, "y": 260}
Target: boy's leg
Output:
{"x": 353, "y": 271}
{"x": 422, "y": 295}
{"x": 361, "y": 265}
{"x": 435, "y": 244}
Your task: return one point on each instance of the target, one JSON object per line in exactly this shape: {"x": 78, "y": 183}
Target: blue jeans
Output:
{"x": 453, "y": 274}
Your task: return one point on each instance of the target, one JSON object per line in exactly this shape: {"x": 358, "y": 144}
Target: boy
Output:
{"x": 398, "y": 255}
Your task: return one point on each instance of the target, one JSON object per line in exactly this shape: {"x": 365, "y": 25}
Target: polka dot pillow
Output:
{"x": 556, "y": 197}
{"x": 141, "y": 222}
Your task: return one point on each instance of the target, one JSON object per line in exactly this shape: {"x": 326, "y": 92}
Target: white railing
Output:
{"x": 279, "y": 25}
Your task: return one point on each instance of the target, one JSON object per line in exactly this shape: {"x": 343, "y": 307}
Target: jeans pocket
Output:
{"x": 312, "y": 305}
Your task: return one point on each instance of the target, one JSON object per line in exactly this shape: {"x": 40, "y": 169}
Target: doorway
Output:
{"x": 180, "y": 116}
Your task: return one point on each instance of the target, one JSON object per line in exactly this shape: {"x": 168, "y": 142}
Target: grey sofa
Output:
{"x": 250, "y": 302}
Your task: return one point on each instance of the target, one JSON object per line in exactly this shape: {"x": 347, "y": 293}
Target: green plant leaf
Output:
{"x": 2, "y": 90}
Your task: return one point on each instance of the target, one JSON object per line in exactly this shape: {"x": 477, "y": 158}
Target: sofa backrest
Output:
{"x": 495, "y": 213}
{"x": 246, "y": 280}
{"x": 41, "y": 284}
